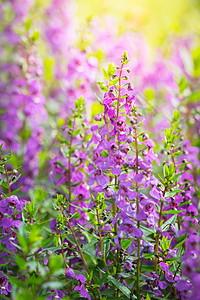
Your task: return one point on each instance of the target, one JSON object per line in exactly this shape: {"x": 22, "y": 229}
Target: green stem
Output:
{"x": 64, "y": 262}
{"x": 138, "y": 223}
{"x": 76, "y": 241}
{"x": 174, "y": 163}
{"x": 157, "y": 238}
{"x": 118, "y": 100}
{"x": 62, "y": 250}
{"x": 8, "y": 183}
{"x": 101, "y": 241}
{"x": 69, "y": 167}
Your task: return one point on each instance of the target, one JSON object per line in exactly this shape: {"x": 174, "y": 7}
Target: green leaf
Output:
{"x": 71, "y": 150}
{"x": 170, "y": 194}
{"x": 121, "y": 287}
{"x": 16, "y": 178}
{"x": 147, "y": 230}
{"x": 194, "y": 97}
{"x": 49, "y": 70}
{"x": 177, "y": 153}
{"x": 166, "y": 171}
{"x": 89, "y": 247}
{"x": 106, "y": 247}
{"x": 63, "y": 140}
{"x": 69, "y": 123}
{"x": 104, "y": 153}
{"x": 182, "y": 237}
{"x": 52, "y": 285}
{"x": 149, "y": 94}
{"x": 147, "y": 268}
{"x": 103, "y": 87}
{"x": 61, "y": 165}
{"x": 179, "y": 244}
{"x": 176, "y": 115}
{"x": 35, "y": 36}
{"x": 15, "y": 192}
{"x": 125, "y": 55}
{"x": 162, "y": 180}
{"x": 17, "y": 246}
{"x": 171, "y": 169}
{"x": 1, "y": 147}
{"x": 113, "y": 82}
{"x": 165, "y": 243}
{"x": 64, "y": 152}
{"x": 56, "y": 263}
{"x": 105, "y": 74}
{"x": 17, "y": 282}
{"x": 76, "y": 132}
{"x": 183, "y": 84}
{"x": 174, "y": 212}
{"x": 125, "y": 243}
{"x": 111, "y": 69}
{"x": 172, "y": 220}
{"x": 21, "y": 262}
{"x": 147, "y": 297}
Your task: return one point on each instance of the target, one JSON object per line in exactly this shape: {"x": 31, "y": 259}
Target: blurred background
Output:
{"x": 156, "y": 19}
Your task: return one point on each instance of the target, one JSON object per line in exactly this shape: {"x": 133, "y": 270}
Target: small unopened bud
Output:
{"x": 133, "y": 122}
{"x": 145, "y": 136}
{"x": 119, "y": 222}
{"x": 98, "y": 117}
{"x": 101, "y": 253}
{"x": 159, "y": 230}
{"x": 145, "y": 153}
{"x": 128, "y": 266}
{"x": 130, "y": 139}
{"x": 69, "y": 273}
{"x": 130, "y": 87}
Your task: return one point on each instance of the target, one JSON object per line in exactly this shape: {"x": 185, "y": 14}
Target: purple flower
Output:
{"x": 80, "y": 287}
{"x": 128, "y": 265}
{"x": 69, "y": 273}
{"x": 128, "y": 228}
{"x": 124, "y": 190}
{"x": 5, "y": 286}
{"x": 168, "y": 275}
{"x": 7, "y": 205}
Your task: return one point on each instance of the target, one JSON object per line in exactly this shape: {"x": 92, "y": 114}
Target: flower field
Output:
{"x": 99, "y": 150}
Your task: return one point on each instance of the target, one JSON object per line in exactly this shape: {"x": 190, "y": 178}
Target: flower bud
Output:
{"x": 128, "y": 266}
{"x": 98, "y": 117}
{"x": 69, "y": 273}
{"x": 145, "y": 136}
{"x": 130, "y": 139}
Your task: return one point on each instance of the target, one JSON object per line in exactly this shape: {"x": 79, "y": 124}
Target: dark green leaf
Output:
{"x": 120, "y": 286}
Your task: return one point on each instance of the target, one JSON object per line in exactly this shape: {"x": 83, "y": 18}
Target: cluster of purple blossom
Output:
{"x": 113, "y": 213}
{"x": 121, "y": 166}
{"x": 22, "y": 101}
